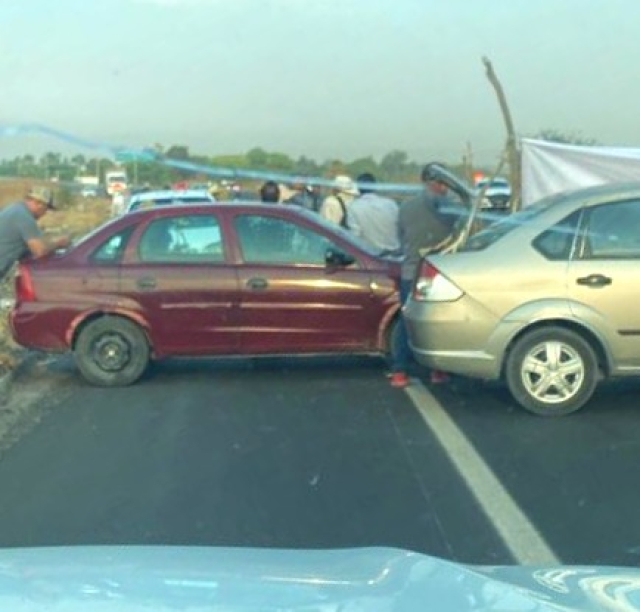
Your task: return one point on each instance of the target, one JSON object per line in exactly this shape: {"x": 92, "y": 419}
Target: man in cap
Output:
{"x": 334, "y": 207}
{"x": 425, "y": 224}
{"x": 19, "y": 232}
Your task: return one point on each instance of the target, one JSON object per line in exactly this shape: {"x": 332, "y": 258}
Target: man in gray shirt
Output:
{"x": 19, "y": 232}
{"x": 423, "y": 225}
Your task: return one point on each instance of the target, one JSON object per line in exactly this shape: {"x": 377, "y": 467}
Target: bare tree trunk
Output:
{"x": 513, "y": 154}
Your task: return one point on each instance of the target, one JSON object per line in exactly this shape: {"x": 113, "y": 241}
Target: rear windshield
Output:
{"x": 490, "y": 235}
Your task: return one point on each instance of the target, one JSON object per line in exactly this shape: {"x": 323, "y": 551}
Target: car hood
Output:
{"x": 194, "y": 579}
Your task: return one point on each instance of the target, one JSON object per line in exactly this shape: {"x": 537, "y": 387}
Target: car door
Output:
{"x": 605, "y": 277}
{"x": 179, "y": 275}
{"x": 291, "y": 301}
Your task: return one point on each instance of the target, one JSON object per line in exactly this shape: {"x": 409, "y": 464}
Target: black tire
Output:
{"x": 572, "y": 352}
{"x": 112, "y": 352}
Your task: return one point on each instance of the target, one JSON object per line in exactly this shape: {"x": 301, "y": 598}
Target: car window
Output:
{"x": 557, "y": 242}
{"x": 112, "y": 249}
{"x": 182, "y": 239}
{"x": 269, "y": 240}
{"x": 612, "y": 231}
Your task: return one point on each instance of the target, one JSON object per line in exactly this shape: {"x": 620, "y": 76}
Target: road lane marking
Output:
{"x": 523, "y": 540}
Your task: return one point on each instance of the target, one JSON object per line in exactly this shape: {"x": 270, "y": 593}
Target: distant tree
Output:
{"x": 257, "y": 158}
{"x": 179, "y": 152}
{"x": 307, "y": 166}
{"x": 362, "y": 165}
{"x": 393, "y": 165}
{"x": 572, "y": 138}
{"x": 78, "y": 160}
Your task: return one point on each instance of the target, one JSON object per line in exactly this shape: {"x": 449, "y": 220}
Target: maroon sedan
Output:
{"x": 227, "y": 279}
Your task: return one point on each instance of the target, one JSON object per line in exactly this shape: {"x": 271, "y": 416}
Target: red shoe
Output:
{"x": 399, "y": 380}
{"x": 437, "y": 377}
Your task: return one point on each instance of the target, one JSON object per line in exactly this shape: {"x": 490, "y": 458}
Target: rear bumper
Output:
{"x": 36, "y": 330}
{"x": 453, "y": 337}
{"x": 474, "y": 364}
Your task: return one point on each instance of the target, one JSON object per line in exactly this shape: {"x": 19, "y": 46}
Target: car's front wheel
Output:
{"x": 552, "y": 371}
{"x": 112, "y": 352}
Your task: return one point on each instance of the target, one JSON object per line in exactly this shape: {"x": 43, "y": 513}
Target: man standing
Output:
{"x": 301, "y": 196}
{"x": 334, "y": 207}
{"x": 373, "y": 217}
{"x": 270, "y": 193}
{"x": 423, "y": 226}
{"x": 19, "y": 232}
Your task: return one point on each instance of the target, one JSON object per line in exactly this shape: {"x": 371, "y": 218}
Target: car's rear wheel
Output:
{"x": 112, "y": 352}
{"x": 552, "y": 371}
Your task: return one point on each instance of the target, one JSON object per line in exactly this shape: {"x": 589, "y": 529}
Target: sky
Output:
{"x": 323, "y": 78}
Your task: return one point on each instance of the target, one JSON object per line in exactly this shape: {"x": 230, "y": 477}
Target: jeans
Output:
{"x": 401, "y": 355}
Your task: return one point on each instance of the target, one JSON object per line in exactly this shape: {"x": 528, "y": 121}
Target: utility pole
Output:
{"x": 467, "y": 161}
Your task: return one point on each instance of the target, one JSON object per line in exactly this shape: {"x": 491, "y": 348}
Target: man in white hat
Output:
{"x": 334, "y": 207}
{"x": 19, "y": 231}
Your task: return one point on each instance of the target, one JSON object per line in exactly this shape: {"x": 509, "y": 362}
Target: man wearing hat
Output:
{"x": 334, "y": 207}
{"x": 19, "y": 232}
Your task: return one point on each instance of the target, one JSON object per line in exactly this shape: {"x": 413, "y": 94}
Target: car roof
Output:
{"x": 246, "y": 206}
{"x": 171, "y": 194}
{"x": 592, "y": 196}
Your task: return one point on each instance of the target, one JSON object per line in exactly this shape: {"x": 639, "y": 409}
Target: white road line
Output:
{"x": 522, "y": 539}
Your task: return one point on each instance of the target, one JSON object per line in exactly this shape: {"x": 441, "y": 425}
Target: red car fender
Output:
{"x": 136, "y": 317}
{"x": 385, "y": 322}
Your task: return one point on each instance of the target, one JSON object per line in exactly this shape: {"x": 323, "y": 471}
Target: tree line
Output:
{"x": 395, "y": 166}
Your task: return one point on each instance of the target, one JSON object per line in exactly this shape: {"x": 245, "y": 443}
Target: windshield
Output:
{"x": 498, "y": 229}
{"x": 495, "y": 183}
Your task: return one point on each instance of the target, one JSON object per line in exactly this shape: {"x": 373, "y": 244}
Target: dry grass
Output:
{"x": 80, "y": 217}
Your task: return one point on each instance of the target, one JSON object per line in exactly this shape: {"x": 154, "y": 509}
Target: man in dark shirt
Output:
{"x": 423, "y": 225}
{"x": 19, "y": 232}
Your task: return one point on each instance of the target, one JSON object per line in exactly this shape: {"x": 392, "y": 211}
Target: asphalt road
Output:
{"x": 320, "y": 454}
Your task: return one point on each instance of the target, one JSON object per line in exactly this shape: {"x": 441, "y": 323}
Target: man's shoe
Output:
{"x": 399, "y": 380}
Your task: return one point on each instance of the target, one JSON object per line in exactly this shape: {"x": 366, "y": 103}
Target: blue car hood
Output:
{"x": 189, "y": 579}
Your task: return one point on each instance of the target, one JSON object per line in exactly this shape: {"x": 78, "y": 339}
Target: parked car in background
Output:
{"x": 221, "y": 279}
{"x": 497, "y": 194}
{"x": 150, "y": 199}
{"x": 545, "y": 299}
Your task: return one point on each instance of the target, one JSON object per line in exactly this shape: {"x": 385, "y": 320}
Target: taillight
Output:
{"x": 431, "y": 285}
{"x": 25, "y": 291}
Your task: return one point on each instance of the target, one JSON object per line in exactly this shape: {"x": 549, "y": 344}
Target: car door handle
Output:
{"x": 595, "y": 280}
{"x": 257, "y": 284}
{"x": 146, "y": 282}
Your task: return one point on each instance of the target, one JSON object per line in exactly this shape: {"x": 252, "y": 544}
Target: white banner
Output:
{"x": 549, "y": 168}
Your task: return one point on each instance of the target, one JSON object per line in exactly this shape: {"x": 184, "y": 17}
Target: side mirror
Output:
{"x": 335, "y": 258}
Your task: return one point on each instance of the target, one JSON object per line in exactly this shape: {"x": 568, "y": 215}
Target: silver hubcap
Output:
{"x": 552, "y": 372}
